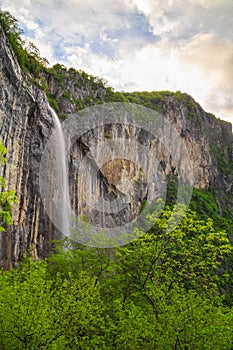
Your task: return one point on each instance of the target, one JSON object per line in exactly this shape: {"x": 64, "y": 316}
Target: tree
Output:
{"x": 40, "y": 312}
{"x": 29, "y": 59}
{"x": 10, "y": 25}
{"x": 7, "y": 198}
{"x": 162, "y": 290}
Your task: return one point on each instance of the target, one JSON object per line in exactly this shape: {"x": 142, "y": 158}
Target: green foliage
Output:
{"x": 158, "y": 99}
{"x": 188, "y": 256}
{"x": 10, "y": 25}
{"x": 57, "y": 71}
{"x": 29, "y": 59}
{"x": 162, "y": 291}
{"x": 159, "y": 292}
{"x": 224, "y": 164}
{"x": 112, "y": 96}
{"x": 204, "y": 203}
{"x": 7, "y": 198}
{"x": 37, "y": 312}
{"x": 154, "y": 100}
{"x": 172, "y": 189}
{"x": 182, "y": 321}
{"x": 53, "y": 102}
{"x": 67, "y": 95}
{"x": 79, "y": 104}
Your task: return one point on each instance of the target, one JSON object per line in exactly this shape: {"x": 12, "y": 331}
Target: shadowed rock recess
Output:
{"x": 26, "y": 123}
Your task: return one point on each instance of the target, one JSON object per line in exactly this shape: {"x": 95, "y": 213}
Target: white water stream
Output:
{"x": 60, "y": 175}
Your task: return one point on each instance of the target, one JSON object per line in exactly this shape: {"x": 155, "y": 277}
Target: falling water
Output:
{"x": 59, "y": 168}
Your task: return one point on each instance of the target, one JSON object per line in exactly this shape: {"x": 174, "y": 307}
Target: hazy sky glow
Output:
{"x": 184, "y": 45}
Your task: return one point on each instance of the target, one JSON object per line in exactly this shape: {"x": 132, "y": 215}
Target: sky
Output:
{"x": 139, "y": 45}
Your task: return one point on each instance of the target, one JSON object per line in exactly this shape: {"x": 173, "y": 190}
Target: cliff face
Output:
{"x": 26, "y": 124}
{"x": 208, "y": 149}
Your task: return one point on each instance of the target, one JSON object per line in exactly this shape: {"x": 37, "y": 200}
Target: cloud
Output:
{"x": 83, "y": 22}
{"x": 139, "y": 44}
{"x": 214, "y": 56}
{"x": 182, "y": 19}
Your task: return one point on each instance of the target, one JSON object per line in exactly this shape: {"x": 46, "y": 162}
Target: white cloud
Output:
{"x": 184, "y": 18}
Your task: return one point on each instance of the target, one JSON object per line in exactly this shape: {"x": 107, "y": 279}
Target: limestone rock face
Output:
{"x": 26, "y": 124}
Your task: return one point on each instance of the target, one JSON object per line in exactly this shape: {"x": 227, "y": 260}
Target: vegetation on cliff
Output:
{"x": 7, "y": 198}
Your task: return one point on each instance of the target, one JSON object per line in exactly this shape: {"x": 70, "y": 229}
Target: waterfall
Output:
{"x": 59, "y": 171}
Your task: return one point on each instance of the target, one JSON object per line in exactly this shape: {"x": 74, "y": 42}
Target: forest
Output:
{"x": 162, "y": 291}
